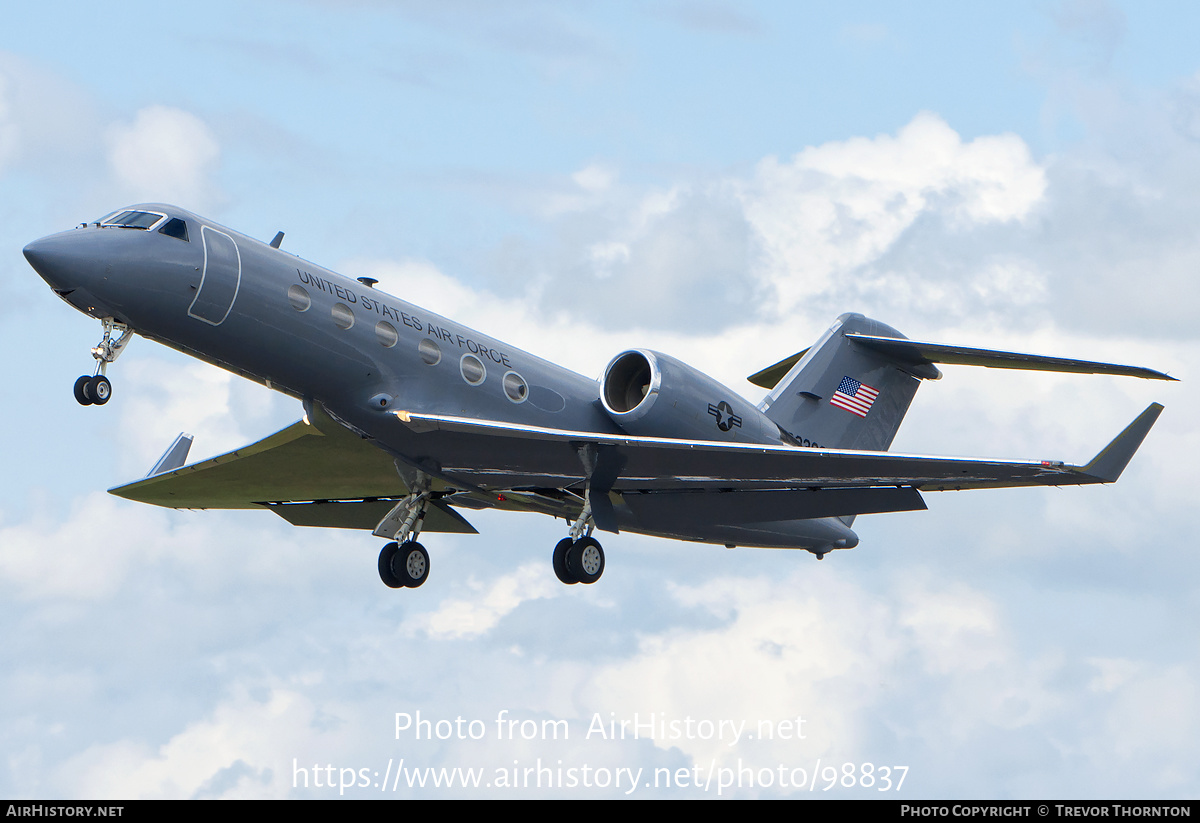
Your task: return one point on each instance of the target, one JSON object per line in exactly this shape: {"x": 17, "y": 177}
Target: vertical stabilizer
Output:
{"x": 843, "y": 395}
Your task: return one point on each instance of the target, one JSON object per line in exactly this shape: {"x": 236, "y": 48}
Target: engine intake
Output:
{"x": 630, "y": 380}
{"x": 651, "y": 394}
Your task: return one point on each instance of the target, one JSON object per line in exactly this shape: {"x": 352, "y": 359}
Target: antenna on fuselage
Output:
{"x": 278, "y": 239}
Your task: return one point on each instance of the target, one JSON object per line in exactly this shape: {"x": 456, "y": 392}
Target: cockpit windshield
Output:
{"x": 133, "y": 219}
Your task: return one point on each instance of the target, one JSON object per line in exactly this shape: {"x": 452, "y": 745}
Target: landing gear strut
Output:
{"x": 97, "y": 389}
{"x": 404, "y": 563}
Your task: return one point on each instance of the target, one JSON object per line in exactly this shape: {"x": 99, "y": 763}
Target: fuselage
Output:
{"x": 300, "y": 328}
{"x": 360, "y": 353}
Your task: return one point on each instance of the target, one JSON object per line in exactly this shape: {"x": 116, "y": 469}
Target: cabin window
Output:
{"x": 515, "y": 387}
{"x": 430, "y": 351}
{"x": 472, "y": 369}
{"x": 298, "y": 297}
{"x": 343, "y": 318}
{"x": 386, "y": 333}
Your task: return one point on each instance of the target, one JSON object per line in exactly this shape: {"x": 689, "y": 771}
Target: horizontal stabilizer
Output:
{"x": 769, "y": 377}
{"x": 916, "y": 353}
{"x": 1113, "y": 458}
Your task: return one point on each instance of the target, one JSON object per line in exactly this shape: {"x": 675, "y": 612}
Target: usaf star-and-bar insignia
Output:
{"x": 726, "y": 419}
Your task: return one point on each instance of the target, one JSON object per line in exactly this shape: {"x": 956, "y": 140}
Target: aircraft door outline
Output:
{"x": 220, "y": 279}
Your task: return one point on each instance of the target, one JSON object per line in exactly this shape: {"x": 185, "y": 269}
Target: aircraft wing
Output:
{"x": 307, "y": 475}
{"x": 657, "y": 464}
{"x": 324, "y": 475}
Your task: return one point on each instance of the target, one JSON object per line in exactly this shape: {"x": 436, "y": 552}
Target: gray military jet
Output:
{"x": 410, "y": 418}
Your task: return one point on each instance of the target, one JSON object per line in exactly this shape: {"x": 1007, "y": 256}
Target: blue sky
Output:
{"x": 717, "y": 181}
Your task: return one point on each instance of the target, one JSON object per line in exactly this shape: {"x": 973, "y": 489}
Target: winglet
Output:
{"x": 175, "y": 455}
{"x": 1113, "y": 458}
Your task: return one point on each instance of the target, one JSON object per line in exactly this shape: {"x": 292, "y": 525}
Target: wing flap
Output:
{"x": 736, "y": 508}
{"x": 365, "y": 514}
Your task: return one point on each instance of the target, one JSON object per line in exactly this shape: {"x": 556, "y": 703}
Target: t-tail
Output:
{"x": 840, "y": 394}
{"x": 851, "y": 389}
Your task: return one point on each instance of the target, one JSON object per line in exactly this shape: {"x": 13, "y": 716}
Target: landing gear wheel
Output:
{"x": 81, "y": 391}
{"x": 99, "y": 389}
{"x": 560, "y": 561}
{"x": 385, "y": 566}
{"x": 411, "y": 564}
{"x": 585, "y": 560}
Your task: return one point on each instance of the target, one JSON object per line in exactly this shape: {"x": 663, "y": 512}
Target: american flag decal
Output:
{"x": 854, "y": 397}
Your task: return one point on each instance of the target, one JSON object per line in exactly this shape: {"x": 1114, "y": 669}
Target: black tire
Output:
{"x": 99, "y": 389}
{"x": 411, "y": 564}
{"x": 385, "y": 566}
{"x": 560, "y": 561}
{"x": 81, "y": 391}
{"x": 585, "y": 560}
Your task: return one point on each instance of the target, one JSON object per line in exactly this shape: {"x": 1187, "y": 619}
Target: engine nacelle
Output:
{"x": 650, "y": 394}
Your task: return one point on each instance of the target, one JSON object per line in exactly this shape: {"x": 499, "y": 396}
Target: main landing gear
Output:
{"x": 404, "y": 563}
{"x": 578, "y": 561}
{"x": 403, "y": 566}
{"x": 579, "y": 558}
{"x": 96, "y": 390}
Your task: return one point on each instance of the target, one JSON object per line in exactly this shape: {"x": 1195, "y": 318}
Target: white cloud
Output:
{"x": 606, "y": 255}
{"x": 936, "y": 665}
{"x": 233, "y": 753}
{"x": 46, "y": 123}
{"x": 483, "y": 608}
{"x": 78, "y": 556}
{"x": 162, "y": 397}
{"x": 840, "y": 206}
{"x": 866, "y": 223}
{"x": 805, "y": 645}
{"x": 594, "y": 178}
{"x": 165, "y": 154}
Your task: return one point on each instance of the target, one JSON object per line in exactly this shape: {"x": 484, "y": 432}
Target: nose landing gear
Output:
{"x": 89, "y": 390}
{"x": 96, "y": 390}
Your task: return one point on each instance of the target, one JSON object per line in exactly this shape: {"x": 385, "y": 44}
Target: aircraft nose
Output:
{"x": 35, "y": 253}
{"x": 56, "y": 259}
{"x": 76, "y": 267}
{"x": 45, "y": 261}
